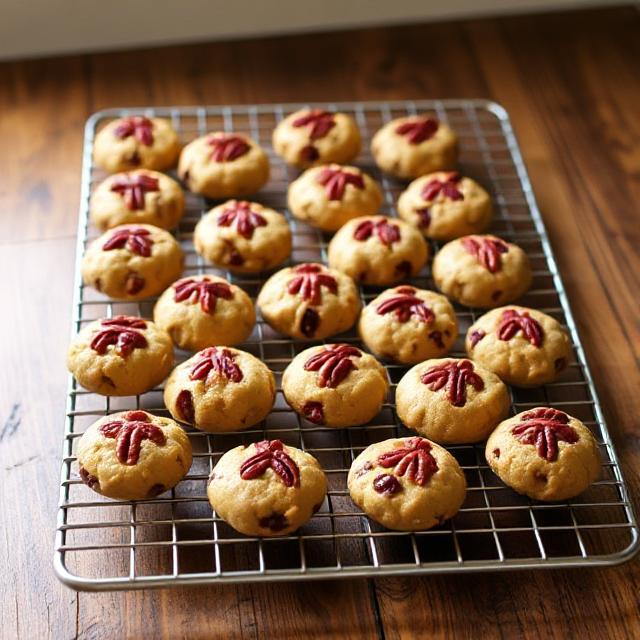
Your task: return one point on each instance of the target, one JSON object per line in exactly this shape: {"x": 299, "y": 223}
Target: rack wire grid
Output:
{"x": 175, "y": 539}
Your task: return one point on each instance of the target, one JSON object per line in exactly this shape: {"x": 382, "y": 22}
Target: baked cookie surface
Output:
{"x": 407, "y": 484}
{"x": 408, "y": 325}
{"x": 136, "y": 142}
{"x": 267, "y": 488}
{"x": 336, "y": 385}
{"x": 482, "y": 271}
{"x": 205, "y": 311}
{"x": 220, "y": 389}
{"x": 328, "y": 196}
{"x": 309, "y": 301}
{"x": 451, "y": 401}
{"x": 316, "y": 136}
{"x": 223, "y": 165}
{"x": 132, "y": 262}
{"x": 524, "y": 347}
{"x": 244, "y": 237}
{"x": 413, "y": 146}
{"x": 120, "y": 356}
{"x": 446, "y": 205}
{"x": 378, "y": 250}
{"x": 135, "y": 197}
{"x": 133, "y": 455}
{"x": 545, "y": 454}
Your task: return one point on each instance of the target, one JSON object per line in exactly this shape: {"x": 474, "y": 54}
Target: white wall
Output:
{"x": 42, "y": 27}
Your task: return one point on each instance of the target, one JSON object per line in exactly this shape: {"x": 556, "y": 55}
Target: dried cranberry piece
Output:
{"x": 308, "y": 282}
{"x": 476, "y": 336}
{"x": 135, "y": 239}
{"x": 314, "y": 412}
{"x": 404, "y": 268}
{"x": 545, "y": 428}
{"x": 333, "y": 364}
{"x": 512, "y": 322}
{"x": 447, "y": 187}
{"x": 184, "y": 406}
{"x": 454, "y": 376}
{"x": 387, "y": 232}
{"x": 309, "y": 153}
{"x": 335, "y": 181}
{"x": 245, "y": 219}
{"x": 135, "y": 160}
{"x": 487, "y": 251}
{"x": 139, "y": 127}
{"x": 496, "y": 453}
{"x": 270, "y": 454}
{"x": 129, "y": 435}
{"x": 540, "y": 477}
{"x": 436, "y": 336}
{"x": 219, "y": 360}
{"x": 205, "y": 291}
{"x": 134, "y": 284}
{"x": 90, "y": 480}
{"x": 320, "y": 122}
{"x": 405, "y": 306}
{"x": 309, "y": 323}
{"x": 134, "y": 188}
{"x": 424, "y": 216}
{"x": 120, "y": 331}
{"x": 275, "y": 522}
{"x": 418, "y": 130}
{"x": 414, "y": 459}
{"x": 387, "y": 485}
{"x": 227, "y": 147}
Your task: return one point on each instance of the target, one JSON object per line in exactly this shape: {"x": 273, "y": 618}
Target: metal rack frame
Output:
{"x": 176, "y": 540}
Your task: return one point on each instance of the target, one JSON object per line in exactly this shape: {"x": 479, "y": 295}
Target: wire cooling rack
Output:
{"x": 176, "y": 539}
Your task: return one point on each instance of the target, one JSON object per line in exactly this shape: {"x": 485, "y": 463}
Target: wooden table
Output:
{"x": 570, "y": 83}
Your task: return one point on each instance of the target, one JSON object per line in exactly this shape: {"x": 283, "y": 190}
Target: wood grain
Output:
{"x": 570, "y": 84}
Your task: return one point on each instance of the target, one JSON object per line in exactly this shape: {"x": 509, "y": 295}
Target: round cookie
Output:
{"x": 329, "y": 196}
{"x": 223, "y": 165}
{"x": 267, "y": 488}
{"x": 309, "y": 301}
{"x": 220, "y": 389}
{"x": 446, "y": 205}
{"x": 378, "y": 250}
{"x": 136, "y": 142}
{"x": 205, "y": 311}
{"x": 413, "y": 146}
{"x": 482, "y": 271}
{"x": 336, "y": 385}
{"x": 545, "y": 454}
{"x": 120, "y": 356}
{"x": 133, "y": 455}
{"x": 136, "y": 197}
{"x": 451, "y": 401}
{"x": 132, "y": 262}
{"x": 408, "y": 325}
{"x": 407, "y": 484}
{"x": 244, "y": 237}
{"x": 315, "y": 136}
{"x": 524, "y": 347}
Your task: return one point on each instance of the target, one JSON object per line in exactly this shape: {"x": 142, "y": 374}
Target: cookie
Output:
{"x": 220, "y": 389}
{"x": 329, "y": 196}
{"x": 408, "y": 325}
{"x": 451, "y": 401}
{"x": 223, "y": 165}
{"x": 243, "y": 237}
{"x": 267, "y": 488}
{"x": 309, "y": 301}
{"x": 407, "y": 484}
{"x": 120, "y": 356}
{"x": 133, "y": 455}
{"x": 378, "y": 250}
{"x": 524, "y": 347}
{"x": 205, "y": 311}
{"x": 336, "y": 385}
{"x": 445, "y": 206}
{"x": 132, "y": 262}
{"x": 315, "y": 136}
{"x": 136, "y": 197}
{"x": 413, "y": 146}
{"x": 136, "y": 142}
{"x": 482, "y": 271}
{"x": 544, "y": 454}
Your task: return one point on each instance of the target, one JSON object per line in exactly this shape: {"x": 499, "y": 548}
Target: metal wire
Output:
{"x": 175, "y": 539}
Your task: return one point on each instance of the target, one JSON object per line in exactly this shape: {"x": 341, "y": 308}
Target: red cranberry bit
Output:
{"x": 122, "y": 332}
{"x": 496, "y": 294}
{"x": 275, "y": 522}
{"x": 184, "y": 406}
{"x": 333, "y": 364}
{"x": 314, "y": 412}
{"x": 436, "y": 336}
{"x": 309, "y": 323}
{"x": 454, "y": 377}
{"x": 90, "y": 480}
{"x": 134, "y": 188}
{"x": 204, "y": 290}
{"x": 387, "y": 485}
{"x": 309, "y": 153}
{"x": 545, "y": 428}
{"x": 540, "y": 477}
{"x": 135, "y": 159}
{"x": 270, "y": 454}
{"x": 447, "y": 187}
{"x": 139, "y": 127}
{"x": 134, "y": 284}
{"x": 487, "y": 252}
{"x": 418, "y": 130}
{"x": 404, "y": 268}
{"x": 476, "y": 336}
{"x": 387, "y": 232}
{"x": 244, "y": 218}
{"x": 424, "y": 217}
{"x": 320, "y": 122}
{"x": 406, "y": 305}
{"x": 512, "y": 322}
{"x": 415, "y": 460}
{"x": 308, "y": 282}
{"x": 130, "y": 434}
{"x": 219, "y": 360}
{"x": 135, "y": 239}
{"x": 227, "y": 147}
{"x": 496, "y": 453}
{"x": 335, "y": 181}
